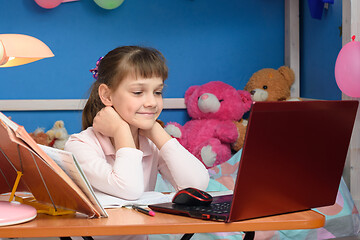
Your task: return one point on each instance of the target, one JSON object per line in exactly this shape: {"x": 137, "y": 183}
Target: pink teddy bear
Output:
{"x": 213, "y": 108}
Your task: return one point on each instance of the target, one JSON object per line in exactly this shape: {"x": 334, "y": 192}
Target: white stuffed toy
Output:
{"x": 58, "y": 134}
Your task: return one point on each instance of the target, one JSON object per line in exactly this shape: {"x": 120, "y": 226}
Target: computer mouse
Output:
{"x": 192, "y": 196}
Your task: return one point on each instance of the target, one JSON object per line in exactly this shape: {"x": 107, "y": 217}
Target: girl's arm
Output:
{"x": 157, "y": 135}
{"x": 120, "y": 176}
{"x": 176, "y": 164}
{"x": 182, "y": 169}
{"x": 109, "y": 123}
{"x": 118, "y": 173}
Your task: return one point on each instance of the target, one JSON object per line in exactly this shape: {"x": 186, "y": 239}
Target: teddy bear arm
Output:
{"x": 174, "y": 129}
{"x": 226, "y": 132}
{"x": 241, "y": 127}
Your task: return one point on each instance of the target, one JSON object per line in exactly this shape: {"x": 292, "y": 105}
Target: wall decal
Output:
{"x": 48, "y": 4}
{"x": 109, "y": 4}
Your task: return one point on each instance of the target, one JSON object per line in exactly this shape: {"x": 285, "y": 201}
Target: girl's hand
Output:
{"x": 107, "y": 121}
{"x": 156, "y": 134}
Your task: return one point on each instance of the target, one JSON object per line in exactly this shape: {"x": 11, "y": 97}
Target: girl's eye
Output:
{"x": 158, "y": 93}
{"x": 137, "y": 93}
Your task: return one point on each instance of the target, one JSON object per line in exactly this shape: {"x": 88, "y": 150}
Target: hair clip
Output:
{"x": 94, "y": 71}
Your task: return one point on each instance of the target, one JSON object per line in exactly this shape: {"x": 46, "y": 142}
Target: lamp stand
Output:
{"x": 14, "y": 213}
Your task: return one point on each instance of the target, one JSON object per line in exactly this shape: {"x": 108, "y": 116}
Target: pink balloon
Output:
{"x": 347, "y": 69}
{"x": 48, "y": 3}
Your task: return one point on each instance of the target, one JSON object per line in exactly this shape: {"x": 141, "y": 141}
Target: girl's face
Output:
{"x": 139, "y": 101}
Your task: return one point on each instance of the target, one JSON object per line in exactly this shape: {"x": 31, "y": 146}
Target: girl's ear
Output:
{"x": 105, "y": 95}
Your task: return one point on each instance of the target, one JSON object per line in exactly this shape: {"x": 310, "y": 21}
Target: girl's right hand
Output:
{"x": 108, "y": 122}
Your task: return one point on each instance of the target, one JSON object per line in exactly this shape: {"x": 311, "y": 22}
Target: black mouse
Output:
{"x": 192, "y": 196}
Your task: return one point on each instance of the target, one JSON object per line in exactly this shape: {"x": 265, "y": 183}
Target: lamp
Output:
{"x": 18, "y": 49}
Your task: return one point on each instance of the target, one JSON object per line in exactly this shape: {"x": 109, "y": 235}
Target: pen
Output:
{"x": 142, "y": 210}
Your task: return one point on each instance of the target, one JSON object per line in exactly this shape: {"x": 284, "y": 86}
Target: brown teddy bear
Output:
{"x": 269, "y": 84}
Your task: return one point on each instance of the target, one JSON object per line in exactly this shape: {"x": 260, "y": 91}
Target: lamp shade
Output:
{"x": 19, "y": 49}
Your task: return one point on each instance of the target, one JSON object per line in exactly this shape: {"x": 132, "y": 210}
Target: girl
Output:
{"x": 122, "y": 147}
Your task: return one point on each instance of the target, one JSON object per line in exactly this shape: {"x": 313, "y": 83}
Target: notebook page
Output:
{"x": 71, "y": 167}
{"x": 108, "y": 201}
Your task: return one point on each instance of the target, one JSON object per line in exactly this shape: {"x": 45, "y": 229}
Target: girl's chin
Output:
{"x": 145, "y": 126}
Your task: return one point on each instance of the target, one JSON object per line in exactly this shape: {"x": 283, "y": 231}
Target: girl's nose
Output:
{"x": 150, "y": 101}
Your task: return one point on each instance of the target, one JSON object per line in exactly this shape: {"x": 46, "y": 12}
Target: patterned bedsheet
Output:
{"x": 342, "y": 219}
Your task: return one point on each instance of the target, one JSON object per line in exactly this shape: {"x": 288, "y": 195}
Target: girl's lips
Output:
{"x": 147, "y": 114}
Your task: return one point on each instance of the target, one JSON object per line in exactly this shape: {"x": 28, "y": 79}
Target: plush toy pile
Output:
{"x": 40, "y": 137}
{"x": 58, "y": 134}
{"x": 55, "y": 137}
{"x": 214, "y": 108}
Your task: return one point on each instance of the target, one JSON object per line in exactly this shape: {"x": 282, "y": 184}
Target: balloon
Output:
{"x": 347, "y": 69}
{"x": 48, "y": 3}
{"x": 109, "y": 4}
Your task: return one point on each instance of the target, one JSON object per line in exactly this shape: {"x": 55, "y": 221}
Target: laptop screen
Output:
{"x": 292, "y": 160}
{"x": 293, "y": 157}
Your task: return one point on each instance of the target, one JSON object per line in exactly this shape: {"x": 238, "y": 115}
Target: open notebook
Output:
{"x": 41, "y": 175}
{"x": 53, "y": 177}
{"x": 292, "y": 160}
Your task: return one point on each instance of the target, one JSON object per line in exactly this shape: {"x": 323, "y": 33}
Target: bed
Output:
{"x": 342, "y": 219}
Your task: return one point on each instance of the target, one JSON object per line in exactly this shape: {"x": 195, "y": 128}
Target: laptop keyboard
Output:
{"x": 215, "y": 208}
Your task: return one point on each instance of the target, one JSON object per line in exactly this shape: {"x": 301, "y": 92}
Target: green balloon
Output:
{"x": 109, "y": 4}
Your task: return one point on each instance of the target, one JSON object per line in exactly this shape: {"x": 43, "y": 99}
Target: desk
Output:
{"x": 125, "y": 221}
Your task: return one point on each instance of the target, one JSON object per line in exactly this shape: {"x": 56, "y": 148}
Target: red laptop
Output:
{"x": 292, "y": 160}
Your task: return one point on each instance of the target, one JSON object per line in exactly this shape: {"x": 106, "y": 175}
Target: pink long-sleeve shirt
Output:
{"x": 128, "y": 172}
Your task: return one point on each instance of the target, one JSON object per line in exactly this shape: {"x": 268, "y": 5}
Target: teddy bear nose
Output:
{"x": 208, "y": 102}
{"x": 252, "y": 92}
{"x": 204, "y": 96}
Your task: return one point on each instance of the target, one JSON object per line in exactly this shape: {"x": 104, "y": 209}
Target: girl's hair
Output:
{"x": 117, "y": 65}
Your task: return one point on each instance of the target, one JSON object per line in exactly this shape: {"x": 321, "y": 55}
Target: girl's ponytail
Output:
{"x": 92, "y": 106}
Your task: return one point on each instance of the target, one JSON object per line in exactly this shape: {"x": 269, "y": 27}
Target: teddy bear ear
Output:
{"x": 190, "y": 91}
{"x": 245, "y": 98}
{"x": 288, "y": 74}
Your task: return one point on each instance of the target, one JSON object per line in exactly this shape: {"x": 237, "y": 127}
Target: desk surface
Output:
{"x": 127, "y": 221}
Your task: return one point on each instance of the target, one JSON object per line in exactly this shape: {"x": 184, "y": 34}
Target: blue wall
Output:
{"x": 320, "y": 43}
{"x": 203, "y": 40}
